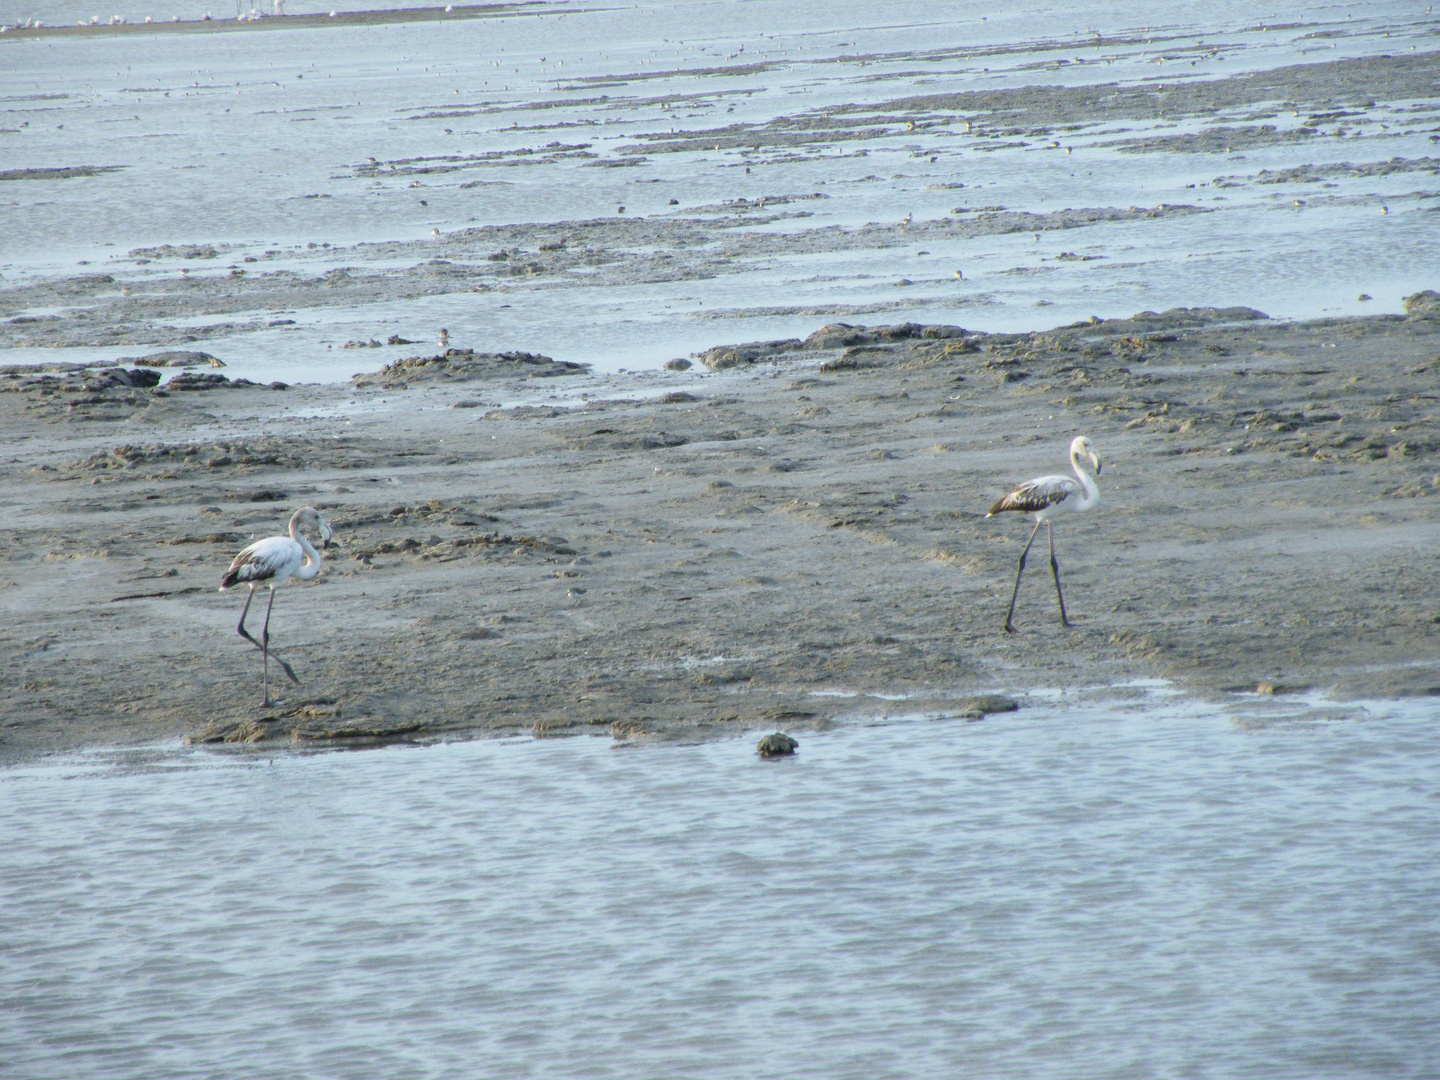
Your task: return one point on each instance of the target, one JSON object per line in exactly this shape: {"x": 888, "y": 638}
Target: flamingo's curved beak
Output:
{"x": 325, "y": 533}
{"x": 1095, "y": 460}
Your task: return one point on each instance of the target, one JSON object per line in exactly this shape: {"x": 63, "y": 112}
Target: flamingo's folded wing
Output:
{"x": 1036, "y": 495}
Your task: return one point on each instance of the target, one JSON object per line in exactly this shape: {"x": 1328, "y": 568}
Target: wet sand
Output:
{"x": 795, "y": 539}
{"x": 791, "y": 533}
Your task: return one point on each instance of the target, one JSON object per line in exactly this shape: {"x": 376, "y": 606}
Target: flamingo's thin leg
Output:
{"x": 1055, "y": 569}
{"x": 246, "y": 611}
{"x": 264, "y": 648}
{"x": 1009, "y": 627}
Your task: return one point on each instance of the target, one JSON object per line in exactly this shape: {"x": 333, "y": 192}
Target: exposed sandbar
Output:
{"x": 687, "y": 552}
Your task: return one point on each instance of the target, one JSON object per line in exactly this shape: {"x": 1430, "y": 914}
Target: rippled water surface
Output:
{"x": 1074, "y": 890}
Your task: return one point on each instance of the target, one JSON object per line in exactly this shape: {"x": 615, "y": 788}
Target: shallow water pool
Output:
{"x": 1072, "y": 890}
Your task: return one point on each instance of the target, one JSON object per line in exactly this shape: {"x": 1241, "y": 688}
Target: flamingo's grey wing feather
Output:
{"x": 1036, "y": 495}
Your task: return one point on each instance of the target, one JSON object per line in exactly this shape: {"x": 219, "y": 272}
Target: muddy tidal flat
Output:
{"x": 748, "y": 317}
{"x": 794, "y": 538}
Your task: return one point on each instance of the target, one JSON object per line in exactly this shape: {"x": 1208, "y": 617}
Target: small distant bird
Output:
{"x": 959, "y": 276}
{"x": 1046, "y": 497}
{"x": 435, "y": 234}
{"x": 274, "y": 561}
{"x": 907, "y": 219}
{"x": 444, "y": 339}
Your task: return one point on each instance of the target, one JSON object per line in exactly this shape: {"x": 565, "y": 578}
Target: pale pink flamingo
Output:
{"x": 1046, "y": 497}
{"x": 274, "y": 561}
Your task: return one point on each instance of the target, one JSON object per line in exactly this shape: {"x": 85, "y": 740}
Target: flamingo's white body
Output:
{"x": 1047, "y": 497}
{"x": 274, "y": 561}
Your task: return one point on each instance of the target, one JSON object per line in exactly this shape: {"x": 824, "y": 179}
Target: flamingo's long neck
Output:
{"x": 311, "y": 566}
{"x": 1087, "y": 483}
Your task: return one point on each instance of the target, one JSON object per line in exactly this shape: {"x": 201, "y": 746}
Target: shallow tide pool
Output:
{"x": 1077, "y": 889}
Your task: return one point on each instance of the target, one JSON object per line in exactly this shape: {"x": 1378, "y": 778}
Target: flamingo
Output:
{"x": 1046, "y": 497}
{"x": 274, "y": 561}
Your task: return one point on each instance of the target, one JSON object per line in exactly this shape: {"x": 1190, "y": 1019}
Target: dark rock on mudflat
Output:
{"x": 233, "y": 731}
{"x": 83, "y": 392}
{"x": 207, "y": 380}
{"x": 200, "y": 381}
{"x": 985, "y": 704}
{"x": 678, "y": 364}
{"x": 71, "y": 380}
{"x": 181, "y": 358}
{"x": 843, "y": 335}
{"x": 1269, "y": 689}
{"x": 365, "y": 733}
{"x": 729, "y": 356}
{"x": 857, "y": 357}
{"x": 53, "y": 367}
{"x": 776, "y": 745}
{"x": 1199, "y": 316}
{"x": 1423, "y": 305}
{"x": 833, "y": 336}
{"x": 654, "y": 441}
{"x": 138, "y": 377}
{"x": 108, "y": 378}
{"x": 1144, "y": 322}
{"x": 465, "y": 365}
